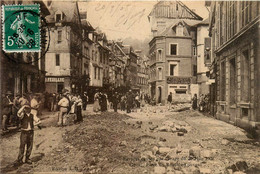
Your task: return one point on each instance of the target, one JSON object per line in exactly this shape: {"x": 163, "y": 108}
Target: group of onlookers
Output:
{"x": 202, "y": 103}
{"x": 71, "y": 104}
{"x": 125, "y": 101}
{"x": 11, "y": 104}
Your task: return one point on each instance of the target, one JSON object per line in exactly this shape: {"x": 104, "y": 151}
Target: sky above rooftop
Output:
{"x": 122, "y": 19}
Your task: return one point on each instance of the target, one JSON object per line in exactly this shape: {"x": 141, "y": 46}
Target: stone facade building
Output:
{"x": 234, "y": 29}
{"x": 172, "y": 62}
{"x": 64, "y": 58}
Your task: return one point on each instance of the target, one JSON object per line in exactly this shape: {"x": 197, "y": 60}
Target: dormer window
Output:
{"x": 179, "y": 30}
{"x": 59, "y": 16}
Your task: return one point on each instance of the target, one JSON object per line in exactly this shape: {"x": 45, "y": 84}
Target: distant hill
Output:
{"x": 138, "y": 45}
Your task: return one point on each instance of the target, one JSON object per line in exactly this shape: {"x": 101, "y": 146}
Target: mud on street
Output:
{"x": 150, "y": 140}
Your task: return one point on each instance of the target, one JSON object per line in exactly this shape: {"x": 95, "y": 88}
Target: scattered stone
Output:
{"x": 123, "y": 143}
{"x": 180, "y": 134}
{"x": 150, "y": 122}
{"x": 185, "y": 153}
{"x": 155, "y": 150}
{"x": 238, "y": 166}
{"x": 183, "y": 130}
{"x": 164, "y": 150}
{"x": 162, "y": 139}
{"x": 164, "y": 129}
{"x": 195, "y": 152}
{"x": 139, "y": 122}
{"x": 161, "y": 144}
{"x": 207, "y": 154}
{"x": 168, "y": 123}
{"x": 164, "y": 163}
{"x": 205, "y": 171}
{"x": 147, "y": 155}
{"x": 172, "y": 154}
{"x": 145, "y": 171}
{"x": 153, "y": 127}
{"x": 225, "y": 142}
{"x": 159, "y": 170}
{"x": 239, "y": 172}
{"x": 170, "y": 169}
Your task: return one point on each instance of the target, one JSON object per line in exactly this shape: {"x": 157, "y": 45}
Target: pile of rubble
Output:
{"x": 178, "y": 159}
{"x": 174, "y": 126}
{"x": 180, "y": 107}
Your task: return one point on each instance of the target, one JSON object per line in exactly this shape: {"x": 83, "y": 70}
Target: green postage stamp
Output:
{"x": 21, "y": 28}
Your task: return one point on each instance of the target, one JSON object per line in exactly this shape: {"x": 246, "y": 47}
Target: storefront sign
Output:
{"x": 54, "y": 79}
{"x": 178, "y": 80}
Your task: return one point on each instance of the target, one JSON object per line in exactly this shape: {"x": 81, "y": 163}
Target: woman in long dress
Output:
{"x": 96, "y": 106}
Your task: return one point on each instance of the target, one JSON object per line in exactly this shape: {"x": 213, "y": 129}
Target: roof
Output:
{"x": 69, "y": 11}
{"x": 204, "y": 22}
{"x": 87, "y": 25}
{"x": 175, "y": 23}
{"x": 126, "y": 49}
{"x": 173, "y": 9}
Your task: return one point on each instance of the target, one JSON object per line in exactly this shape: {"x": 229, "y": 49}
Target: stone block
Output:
{"x": 164, "y": 150}
{"x": 161, "y": 144}
{"x": 164, "y": 129}
{"x": 180, "y": 134}
{"x": 155, "y": 150}
{"x": 205, "y": 171}
{"x": 159, "y": 170}
{"x": 195, "y": 152}
{"x": 207, "y": 154}
{"x": 225, "y": 142}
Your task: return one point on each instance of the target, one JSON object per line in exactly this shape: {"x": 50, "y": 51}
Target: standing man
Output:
{"x": 129, "y": 101}
{"x": 23, "y": 100}
{"x": 64, "y": 105}
{"x": 169, "y": 100}
{"x": 6, "y": 109}
{"x": 115, "y": 101}
{"x": 28, "y": 121}
{"x": 85, "y": 100}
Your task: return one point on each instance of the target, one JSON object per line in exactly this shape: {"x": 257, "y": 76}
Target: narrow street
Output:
{"x": 150, "y": 140}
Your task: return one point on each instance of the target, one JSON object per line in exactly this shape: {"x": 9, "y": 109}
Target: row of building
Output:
{"x": 234, "y": 62}
{"x": 76, "y": 57}
{"x": 218, "y": 56}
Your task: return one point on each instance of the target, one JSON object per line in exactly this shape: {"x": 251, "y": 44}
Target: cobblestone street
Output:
{"x": 152, "y": 139}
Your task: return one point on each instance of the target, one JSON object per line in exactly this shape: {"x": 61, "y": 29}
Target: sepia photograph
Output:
{"x": 130, "y": 87}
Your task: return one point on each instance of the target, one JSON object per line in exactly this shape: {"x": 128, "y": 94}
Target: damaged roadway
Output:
{"x": 150, "y": 140}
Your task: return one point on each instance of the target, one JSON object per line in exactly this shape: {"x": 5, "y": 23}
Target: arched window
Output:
{"x": 160, "y": 73}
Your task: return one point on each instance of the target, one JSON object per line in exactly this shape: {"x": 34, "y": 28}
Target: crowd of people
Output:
{"x": 202, "y": 103}
{"x": 118, "y": 100}
{"x": 12, "y": 104}
{"x": 51, "y": 101}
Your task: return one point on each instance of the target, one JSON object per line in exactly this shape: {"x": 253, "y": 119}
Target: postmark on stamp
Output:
{"x": 21, "y": 28}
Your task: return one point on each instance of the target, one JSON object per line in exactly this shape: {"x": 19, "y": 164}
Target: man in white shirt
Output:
{"x": 64, "y": 104}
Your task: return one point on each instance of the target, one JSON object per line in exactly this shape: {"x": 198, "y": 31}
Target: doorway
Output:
{"x": 160, "y": 95}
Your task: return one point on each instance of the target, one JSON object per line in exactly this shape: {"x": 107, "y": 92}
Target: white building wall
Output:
{"x": 202, "y": 33}
{"x": 52, "y": 69}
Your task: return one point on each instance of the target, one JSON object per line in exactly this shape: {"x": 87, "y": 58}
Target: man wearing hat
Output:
{"x": 6, "y": 109}
{"x": 65, "y": 106}
{"x": 28, "y": 121}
